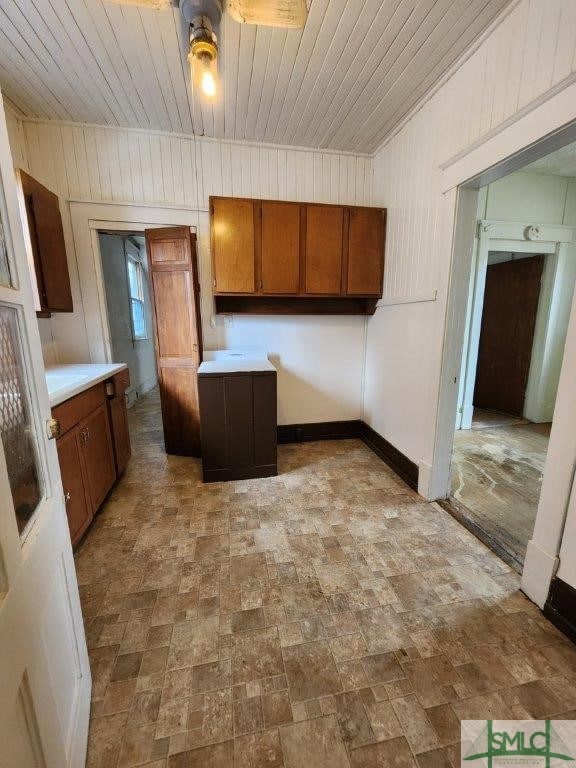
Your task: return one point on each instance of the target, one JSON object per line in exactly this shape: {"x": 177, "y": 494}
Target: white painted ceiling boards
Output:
{"x": 341, "y": 83}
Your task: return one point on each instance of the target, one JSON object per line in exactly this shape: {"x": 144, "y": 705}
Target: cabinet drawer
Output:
{"x": 77, "y": 408}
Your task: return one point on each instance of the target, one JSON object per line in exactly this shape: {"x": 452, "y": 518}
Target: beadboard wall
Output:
{"x": 320, "y": 359}
{"x": 530, "y": 53}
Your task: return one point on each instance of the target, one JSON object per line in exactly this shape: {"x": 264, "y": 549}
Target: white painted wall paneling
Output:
{"x": 321, "y": 362}
{"x": 489, "y": 88}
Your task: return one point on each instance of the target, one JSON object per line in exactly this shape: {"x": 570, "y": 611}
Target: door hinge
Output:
{"x": 53, "y": 428}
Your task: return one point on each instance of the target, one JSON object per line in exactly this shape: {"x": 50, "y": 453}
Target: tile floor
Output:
{"x": 326, "y": 618}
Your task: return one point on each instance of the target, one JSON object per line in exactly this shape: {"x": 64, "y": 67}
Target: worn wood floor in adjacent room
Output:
{"x": 497, "y": 469}
{"x": 325, "y": 618}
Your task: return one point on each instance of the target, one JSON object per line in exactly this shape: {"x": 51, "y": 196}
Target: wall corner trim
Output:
{"x": 539, "y": 570}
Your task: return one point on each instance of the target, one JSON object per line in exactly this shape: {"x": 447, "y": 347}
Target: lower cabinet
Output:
{"x": 119, "y": 420}
{"x": 238, "y": 423}
{"x": 92, "y": 451}
{"x": 78, "y": 504}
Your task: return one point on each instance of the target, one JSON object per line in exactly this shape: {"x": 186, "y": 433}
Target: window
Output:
{"x": 136, "y": 291}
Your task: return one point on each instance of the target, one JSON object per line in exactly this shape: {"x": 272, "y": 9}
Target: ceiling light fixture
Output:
{"x": 203, "y": 56}
{"x": 203, "y": 16}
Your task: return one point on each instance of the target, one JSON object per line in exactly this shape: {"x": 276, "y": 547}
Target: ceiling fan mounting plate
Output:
{"x": 289, "y": 14}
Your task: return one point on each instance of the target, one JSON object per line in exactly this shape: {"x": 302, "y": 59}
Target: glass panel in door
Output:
{"x": 16, "y": 428}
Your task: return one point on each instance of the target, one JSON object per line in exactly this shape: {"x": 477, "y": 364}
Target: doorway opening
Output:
{"x": 519, "y": 301}
{"x": 147, "y": 306}
{"x": 126, "y": 281}
{"x": 130, "y": 317}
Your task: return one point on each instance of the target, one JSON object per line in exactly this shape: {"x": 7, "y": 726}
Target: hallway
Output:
{"x": 323, "y": 618}
{"x": 497, "y": 469}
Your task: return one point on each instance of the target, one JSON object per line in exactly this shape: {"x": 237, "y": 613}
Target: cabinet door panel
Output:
{"x": 265, "y": 406}
{"x": 324, "y": 228}
{"x": 365, "y": 252}
{"x": 120, "y": 433}
{"x": 98, "y": 455}
{"x": 78, "y": 508}
{"x": 280, "y": 253}
{"x": 48, "y": 247}
{"x": 233, "y": 245}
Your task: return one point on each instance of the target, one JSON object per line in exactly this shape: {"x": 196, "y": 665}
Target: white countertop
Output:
{"x": 235, "y": 361}
{"x": 65, "y": 381}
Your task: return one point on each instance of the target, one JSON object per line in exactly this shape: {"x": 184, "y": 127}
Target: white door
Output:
{"x": 44, "y": 673}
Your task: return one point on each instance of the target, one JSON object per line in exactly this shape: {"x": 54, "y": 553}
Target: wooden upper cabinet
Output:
{"x": 48, "y": 251}
{"x": 284, "y": 257}
{"x": 233, "y": 244}
{"x": 365, "y": 252}
{"x": 280, "y": 248}
{"x": 324, "y": 249}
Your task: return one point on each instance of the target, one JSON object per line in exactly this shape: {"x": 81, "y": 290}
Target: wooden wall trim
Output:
{"x": 353, "y": 429}
{"x": 324, "y": 430}
{"x": 560, "y": 607}
{"x": 396, "y": 460}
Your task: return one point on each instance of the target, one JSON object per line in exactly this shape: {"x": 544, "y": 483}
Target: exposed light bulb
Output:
{"x": 208, "y": 84}
{"x": 203, "y": 56}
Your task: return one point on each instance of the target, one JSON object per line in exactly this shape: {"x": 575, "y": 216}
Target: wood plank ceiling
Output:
{"x": 341, "y": 83}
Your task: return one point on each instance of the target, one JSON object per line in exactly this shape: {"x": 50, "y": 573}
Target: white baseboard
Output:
{"x": 539, "y": 570}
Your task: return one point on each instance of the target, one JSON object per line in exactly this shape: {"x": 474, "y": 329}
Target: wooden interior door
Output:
{"x": 365, "y": 252}
{"x": 233, "y": 244}
{"x": 280, "y": 250}
{"x": 324, "y": 249}
{"x": 177, "y": 334}
{"x": 44, "y": 671}
{"x": 507, "y": 333}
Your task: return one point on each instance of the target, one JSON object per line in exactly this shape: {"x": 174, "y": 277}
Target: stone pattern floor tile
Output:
{"x": 327, "y": 617}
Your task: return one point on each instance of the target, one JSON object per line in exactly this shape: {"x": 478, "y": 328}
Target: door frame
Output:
{"x": 503, "y": 236}
{"x": 26, "y": 585}
{"x": 87, "y": 219}
{"x": 549, "y": 125}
